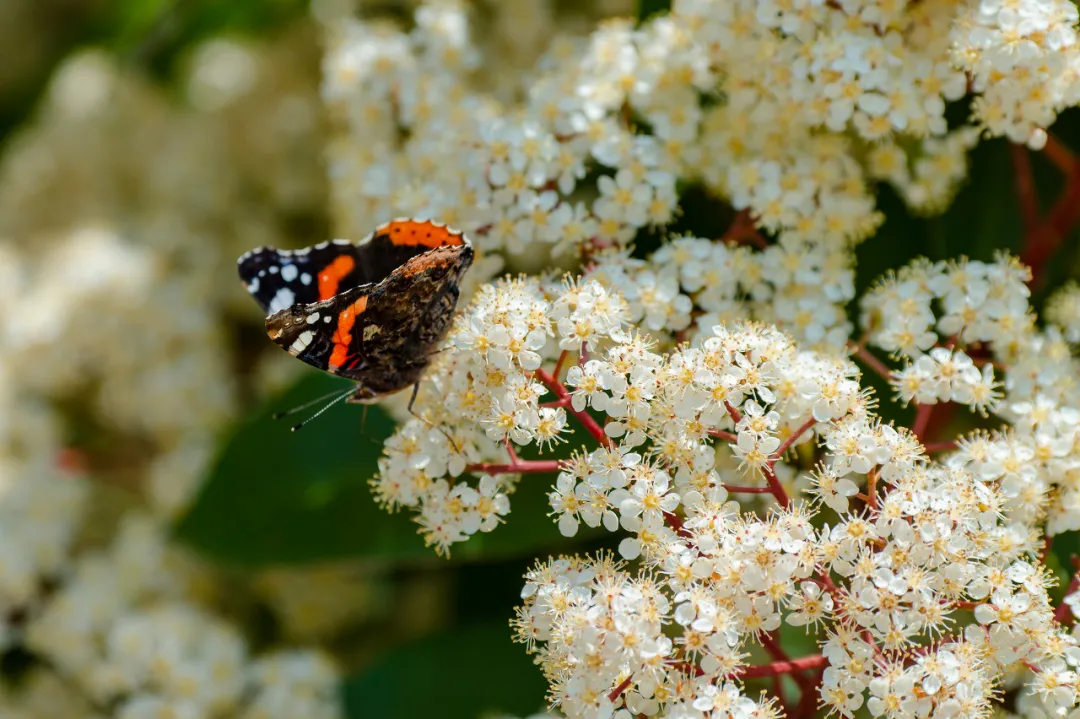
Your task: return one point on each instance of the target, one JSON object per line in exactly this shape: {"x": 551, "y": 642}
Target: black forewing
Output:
{"x": 282, "y": 278}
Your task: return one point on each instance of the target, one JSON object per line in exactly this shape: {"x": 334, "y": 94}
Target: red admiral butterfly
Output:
{"x": 373, "y": 311}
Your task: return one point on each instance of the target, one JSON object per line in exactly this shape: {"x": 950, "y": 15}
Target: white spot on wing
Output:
{"x": 305, "y": 278}
{"x": 313, "y": 318}
{"x": 273, "y": 269}
{"x": 301, "y": 343}
{"x": 289, "y": 273}
{"x": 302, "y": 252}
{"x": 284, "y": 298}
{"x": 253, "y": 286}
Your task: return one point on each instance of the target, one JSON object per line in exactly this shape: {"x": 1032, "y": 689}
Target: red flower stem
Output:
{"x": 935, "y": 447}
{"x": 786, "y": 444}
{"x": 747, "y": 490}
{"x": 559, "y": 364}
{"x": 1025, "y": 187}
{"x": 721, "y": 434}
{"x": 1059, "y": 154}
{"x": 614, "y": 695}
{"x": 583, "y": 417}
{"x": 782, "y": 667}
{"x": 922, "y": 420}
{"x": 742, "y": 230}
{"x": 808, "y": 702}
{"x": 776, "y": 488}
{"x": 757, "y": 671}
{"x": 768, "y": 640}
{"x": 871, "y": 489}
{"x": 522, "y": 466}
{"x": 867, "y": 358}
{"x": 1043, "y": 241}
{"x": 733, "y": 412}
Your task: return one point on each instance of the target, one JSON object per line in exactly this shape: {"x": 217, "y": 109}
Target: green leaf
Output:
{"x": 648, "y": 8}
{"x": 276, "y": 497}
{"x": 464, "y": 673}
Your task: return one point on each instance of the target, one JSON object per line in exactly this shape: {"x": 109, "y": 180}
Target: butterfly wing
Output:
{"x": 278, "y": 279}
{"x": 379, "y": 334}
{"x": 282, "y": 278}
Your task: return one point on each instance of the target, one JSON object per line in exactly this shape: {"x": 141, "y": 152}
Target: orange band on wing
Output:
{"x": 343, "y": 333}
{"x": 416, "y": 232}
{"x": 333, "y": 274}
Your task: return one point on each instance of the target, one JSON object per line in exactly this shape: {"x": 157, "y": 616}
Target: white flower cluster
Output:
{"x": 890, "y": 579}
{"x": 945, "y": 375}
{"x": 486, "y": 380}
{"x": 1023, "y": 59}
{"x": 977, "y": 302}
{"x": 119, "y": 627}
{"x": 691, "y": 284}
{"x": 509, "y": 181}
{"x": 978, "y": 305}
{"x": 113, "y": 342}
{"x": 1028, "y": 376}
{"x": 789, "y": 112}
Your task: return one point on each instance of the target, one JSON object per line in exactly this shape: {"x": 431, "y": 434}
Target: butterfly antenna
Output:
{"x": 329, "y": 404}
{"x": 309, "y": 403}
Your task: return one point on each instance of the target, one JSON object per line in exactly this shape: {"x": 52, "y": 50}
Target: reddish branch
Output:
{"x": 922, "y": 420}
{"x": 871, "y": 489}
{"x": 1025, "y": 187}
{"x": 1059, "y": 154}
{"x": 559, "y": 364}
{"x": 867, "y": 358}
{"x": 522, "y": 466}
{"x": 771, "y": 669}
{"x": 733, "y": 412}
{"x": 721, "y": 434}
{"x": 768, "y": 640}
{"x": 733, "y": 489}
{"x": 786, "y": 444}
{"x": 614, "y": 695}
{"x": 582, "y": 417}
{"x": 742, "y": 230}
{"x": 775, "y": 487}
{"x": 1043, "y": 241}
